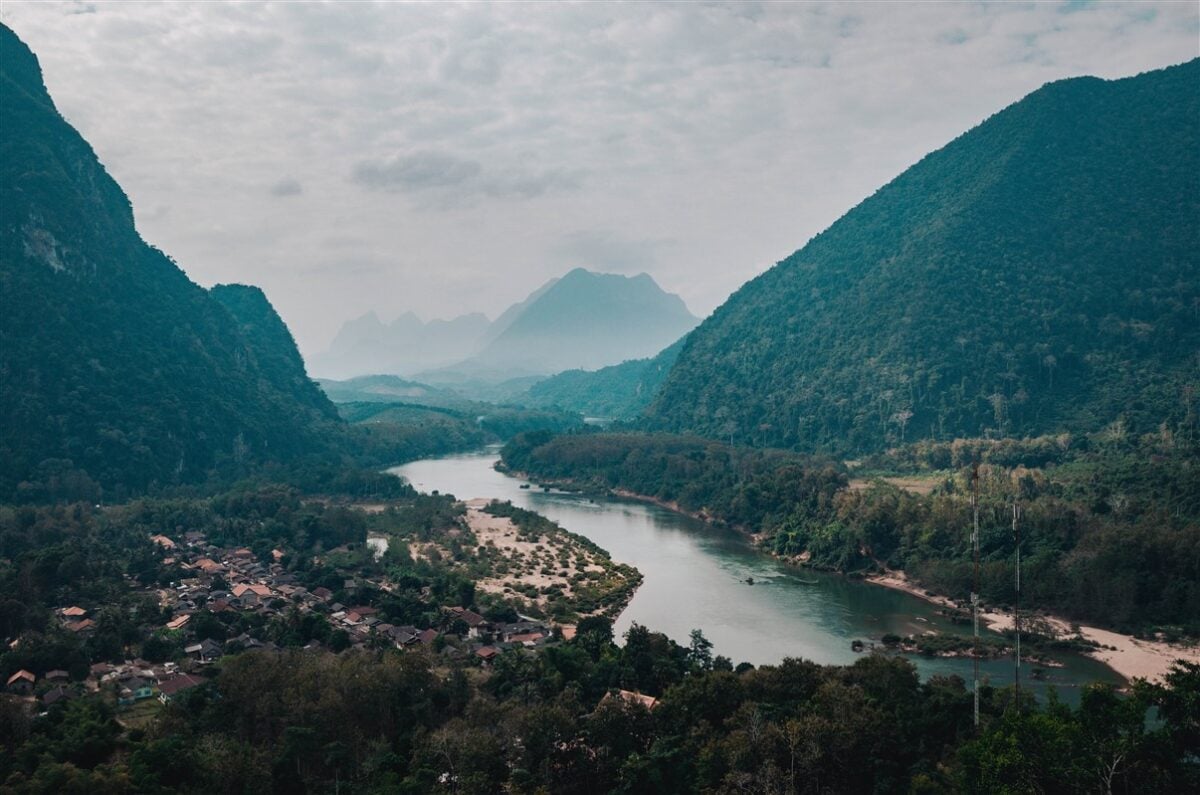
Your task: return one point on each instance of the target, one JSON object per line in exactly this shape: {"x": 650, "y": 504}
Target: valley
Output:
{"x": 916, "y": 509}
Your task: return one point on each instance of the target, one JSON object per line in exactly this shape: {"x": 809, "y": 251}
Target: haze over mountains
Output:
{"x": 582, "y": 320}
{"x": 367, "y": 345}
{"x": 118, "y": 371}
{"x": 1039, "y": 274}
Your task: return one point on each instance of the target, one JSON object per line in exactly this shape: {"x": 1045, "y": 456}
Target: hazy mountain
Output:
{"x": 584, "y": 320}
{"x": 1039, "y": 273}
{"x": 621, "y": 391}
{"x": 116, "y": 369}
{"x": 407, "y": 345}
{"x": 507, "y": 317}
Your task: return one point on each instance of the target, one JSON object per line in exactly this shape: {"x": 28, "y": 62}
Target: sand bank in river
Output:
{"x": 1128, "y": 656}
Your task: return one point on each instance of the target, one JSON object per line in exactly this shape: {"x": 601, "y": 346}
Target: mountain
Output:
{"x": 1040, "y": 273}
{"x": 407, "y": 345}
{"x": 118, "y": 372}
{"x": 507, "y": 317}
{"x": 620, "y": 391}
{"x": 584, "y": 320}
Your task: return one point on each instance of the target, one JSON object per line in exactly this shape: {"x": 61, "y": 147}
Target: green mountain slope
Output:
{"x": 621, "y": 391}
{"x": 1039, "y": 273}
{"x": 117, "y": 371}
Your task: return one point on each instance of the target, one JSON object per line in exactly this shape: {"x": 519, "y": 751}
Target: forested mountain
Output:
{"x": 584, "y": 320}
{"x": 117, "y": 371}
{"x": 1040, "y": 273}
{"x": 367, "y": 345}
{"x": 621, "y": 391}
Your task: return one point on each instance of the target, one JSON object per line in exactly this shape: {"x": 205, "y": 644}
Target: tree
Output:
{"x": 700, "y": 651}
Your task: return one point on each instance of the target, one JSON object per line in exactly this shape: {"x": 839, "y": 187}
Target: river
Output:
{"x": 695, "y": 577}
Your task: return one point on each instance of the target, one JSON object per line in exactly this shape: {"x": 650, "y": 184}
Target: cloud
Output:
{"x": 415, "y": 172}
{"x": 456, "y": 179}
{"x": 286, "y": 187}
{"x": 454, "y": 156}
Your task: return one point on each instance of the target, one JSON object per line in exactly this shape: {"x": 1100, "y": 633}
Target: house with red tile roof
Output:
{"x": 21, "y": 682}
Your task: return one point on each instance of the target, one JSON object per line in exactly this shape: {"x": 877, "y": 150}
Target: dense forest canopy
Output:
{"x": 1038, "y": 274}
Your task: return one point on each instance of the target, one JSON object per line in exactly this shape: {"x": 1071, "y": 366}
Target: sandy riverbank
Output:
{"x": 1128, "y": 656}
{"x": 553, "y": 561}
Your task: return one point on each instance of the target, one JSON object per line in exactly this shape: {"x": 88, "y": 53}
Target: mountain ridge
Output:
{"x": 987, "y": 290}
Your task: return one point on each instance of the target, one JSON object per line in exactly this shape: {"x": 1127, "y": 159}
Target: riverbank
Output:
{"x": 1128, "y": 656}
{"x": 566, "y": 577}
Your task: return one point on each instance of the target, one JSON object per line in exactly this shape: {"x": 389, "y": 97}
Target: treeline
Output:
{"x": 1110, "y": 536}
{"x": 395, "y": 722}
{"x": 737, "y": 485}
{"x": 469, "y": 423}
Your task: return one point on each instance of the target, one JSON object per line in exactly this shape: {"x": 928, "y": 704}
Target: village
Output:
{"x": 236, "y": 587}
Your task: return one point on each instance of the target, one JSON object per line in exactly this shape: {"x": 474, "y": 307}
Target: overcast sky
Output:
{"x": 447, "y": 159}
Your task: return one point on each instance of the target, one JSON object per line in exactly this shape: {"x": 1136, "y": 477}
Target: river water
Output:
{"x": 695, "y": 577}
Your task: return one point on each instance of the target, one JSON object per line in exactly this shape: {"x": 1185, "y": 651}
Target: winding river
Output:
{"x": 695, "y": 577}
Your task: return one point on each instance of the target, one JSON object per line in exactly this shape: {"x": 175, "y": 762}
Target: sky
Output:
{"x": 446, "y": 158}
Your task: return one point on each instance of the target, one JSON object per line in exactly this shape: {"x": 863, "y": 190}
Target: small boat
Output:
{"x": 749, "y": 580}
{"x": 524, "y": 485}
{"x": 808, "y": 582}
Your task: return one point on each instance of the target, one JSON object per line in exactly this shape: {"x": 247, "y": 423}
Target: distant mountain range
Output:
{"x": 117, "y": 372}
{"x": 1039, "y": 274}
{"x": 582, "y": 320}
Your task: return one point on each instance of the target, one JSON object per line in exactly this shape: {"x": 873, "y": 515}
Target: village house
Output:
{"x": 476, "y": 624}
{"x": 631, "y": 697}
{"x": 205, "y": 651}
{"x": 178, "y": 622}
{"x": 56, "y": 695}
{"x": 21, "y": 683}
{"x": 135, "y": 689}
{"x": 57, "y": 676}
{"x": 170, "y": 687}
{"x": 487, "y": 654}
{"x": 528, "y": 639}
{"x": 163, "y": 541}
{"x": 83, "y": 627}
